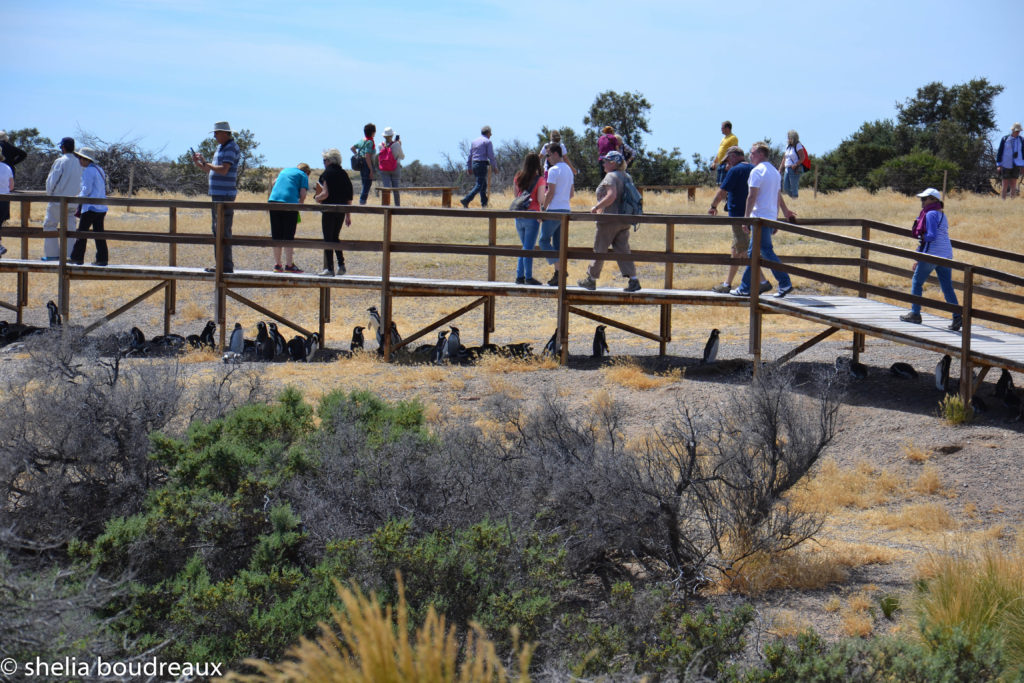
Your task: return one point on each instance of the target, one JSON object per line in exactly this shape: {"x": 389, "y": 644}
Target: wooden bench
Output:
{"x": 446, "y": 193}
{"x": 691, "y": 190}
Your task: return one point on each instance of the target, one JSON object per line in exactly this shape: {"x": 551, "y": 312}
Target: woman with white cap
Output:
{"x": 94, "y": 186}
{"x": 389, "y": 161}
{"x": 932, "y": 229}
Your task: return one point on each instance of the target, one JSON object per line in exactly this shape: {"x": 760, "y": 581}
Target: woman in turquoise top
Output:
{"x": 291, "y": 187}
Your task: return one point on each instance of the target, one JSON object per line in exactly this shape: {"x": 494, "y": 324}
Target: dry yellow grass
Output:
{"x": 787, "y": 623}
{"x": 916, "y": 454}
{"x": 928, "y": 482}
{"x": 628, "y": 373}
{"x": 856, "y": 624}
{"x": 928, "y": 517}
{"x": 861, "y": 486}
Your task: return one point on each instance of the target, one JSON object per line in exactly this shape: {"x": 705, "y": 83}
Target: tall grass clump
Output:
{"x": 954, "y": 411}
{"x": 979, "y": 592}
{"x": 374, "y": 645}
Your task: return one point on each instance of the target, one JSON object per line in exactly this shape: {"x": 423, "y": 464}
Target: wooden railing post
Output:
{"x": 492, "y": 274}
{"x": 22, "y": 294}
{"x": 755, "y": 292}
{"x": 966, "y": 378}
{"x": 666, "y": 309}
{"x": 222, "y": 313}
{"x": 562, "y": 333}
{"x": 171, "y": 293}
{"x": 865, "y": 256}
{"x": 63, "y": 286}
{"x": 385, "y": 286}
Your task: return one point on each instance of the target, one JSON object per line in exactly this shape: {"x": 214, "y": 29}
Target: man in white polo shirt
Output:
{"x": 763, "y": 201}
{"x": 558, "y": 193}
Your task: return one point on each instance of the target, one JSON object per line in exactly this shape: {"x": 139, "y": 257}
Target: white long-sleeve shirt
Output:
{"x": 65, "y": 176}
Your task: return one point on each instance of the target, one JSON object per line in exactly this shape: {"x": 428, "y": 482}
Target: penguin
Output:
{"x": 1005, "y": 384}
{"x": 206, "y": 336}
{"x": 193, "y": 340}
{"x": 711, "y": 348}
{"x": 857, "y": 370}
{"x": 903, "y": 370}
{"x": 357, "y": 338}
{"x": 280, "y": 343}
{"x": 375, "y": 325}
{"x": 942, "y": 373}
{"x": 265, "y": 347}
{"x": 396, "y": 338}
{"x": 297, "y": 349}
{"x": 453, "y": 345}
{"x": 312, "y": 345}
{"x": 978, "y": 405}
{"x": 137, "y": 338}
{"x": 600, "y": 342}
{"x": 437, "y": 356}
{"x": 55, "y": 318}
{"x": 551, "y": 348}
{"x": 237, "y": 344}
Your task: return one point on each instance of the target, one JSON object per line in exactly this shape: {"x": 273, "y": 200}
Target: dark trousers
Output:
{"x": 91, "y": 220}
{"x": 364, "y": 178}
{"x": 331, "y": 224}
{"x": 480, "y": 172}
{"x": 229, "y": 217}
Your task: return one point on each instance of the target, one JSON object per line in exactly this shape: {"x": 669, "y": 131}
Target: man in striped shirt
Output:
{"x": 223, "y": 179}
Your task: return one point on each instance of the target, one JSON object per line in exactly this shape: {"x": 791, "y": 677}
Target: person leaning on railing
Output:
{"x": 933, "y": 230}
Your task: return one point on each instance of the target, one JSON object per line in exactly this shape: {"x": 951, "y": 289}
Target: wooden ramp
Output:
{"x": 878, "y": 319}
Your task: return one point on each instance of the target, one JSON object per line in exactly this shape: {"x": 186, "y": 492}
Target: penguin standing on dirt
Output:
{"x": 264, "y": 343}
{"x": 454, "y": 345}
{"x": 375, "y": 325}
{"x": 280, "y": 343}
{"x": 600, "y": 342}
{"x": 437, "y": 355}
{"x": 711, "y": 348}
{"x": 396, "y": 338}
{"x": 206, "y": 336}
{"x": 312, "y": 345}
{"x": 1005, "y": 384}
{"x": 551, "y": 348}
{"x": 55, "y": 319}
{"x": 297, "y": 349}
{"x": 942, "y": 373}
{"x": 237, "y": 343}
{"x": 357, "y": 338}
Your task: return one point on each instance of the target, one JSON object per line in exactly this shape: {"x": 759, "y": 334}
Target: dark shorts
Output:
{"x": 1011, "y": 172}
{"x": 283, "y": 224}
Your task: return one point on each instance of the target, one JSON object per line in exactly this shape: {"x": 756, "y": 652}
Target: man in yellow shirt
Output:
{"x": 728, "y": 141}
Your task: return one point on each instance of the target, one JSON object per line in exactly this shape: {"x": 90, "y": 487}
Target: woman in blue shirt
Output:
{"x": 94, "y": 186}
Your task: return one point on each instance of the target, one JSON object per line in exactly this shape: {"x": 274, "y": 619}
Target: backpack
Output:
{"x": 386, "y": 159}
{"x": 632, "y": 202}
{"x": 806, "y": 163}
{"x": 525, "y": 198}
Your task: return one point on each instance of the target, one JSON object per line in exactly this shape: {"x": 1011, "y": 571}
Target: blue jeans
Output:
{"x": 721, "y": 171}
{"x": 390, "y": 179}
{"x": 791, "y": 180}
{"x": 551, "y": 234}
{"x": 945, "y": 275}
{"x": 767, "y": 254}
{"x": 527, "y": 229}
{"x": 364, "y": 176}
{"x": 480, "y": 171}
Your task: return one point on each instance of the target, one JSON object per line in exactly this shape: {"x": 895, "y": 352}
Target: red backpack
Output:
{"x": 806, "y": 163}
{"x": 386, "y": 158}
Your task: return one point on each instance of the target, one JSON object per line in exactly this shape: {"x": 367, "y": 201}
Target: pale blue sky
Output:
{"x": 307, "y": 75}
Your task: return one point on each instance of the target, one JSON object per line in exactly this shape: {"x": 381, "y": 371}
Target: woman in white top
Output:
{"x": 792, "y": 164}
{"x": 390, "y": 176}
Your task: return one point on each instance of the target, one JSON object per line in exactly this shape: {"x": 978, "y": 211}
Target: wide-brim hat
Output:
{"x": 389, "y": 132}
{"x": 930, "y": 192}
{"x": 87, "y": 153}
{"x": 222, "y": 127}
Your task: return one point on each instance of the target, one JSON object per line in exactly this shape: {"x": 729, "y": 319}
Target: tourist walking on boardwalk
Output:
{"x": 734, "y": 192}
{"x": 555, "y": 139}
{"x": 6, "y": 187}
{"x": 528, "y": 180}
{"x": 611, "y": 234}
{"x": 932, "y": 229}
{"x": 558, "y": 193}
{"x": 363, "y": 151}
{"x": 792, "y": 164}
{"x": 764, "y": 199}
{"x": 728, "y": 140}
{"x": 291, "y": 187}
{"x": 12, "y": 155}
{"x": 334, "y": 188}
{"x": 222, "y": 181}
{"x": 481, "y": 158}
{"x": 1010, "y": 161}
{"x": 389, "y": 162}
{"x": 94, "y": 186}
{"x": 610, "y": 142}
{"x": 64, "y": 179}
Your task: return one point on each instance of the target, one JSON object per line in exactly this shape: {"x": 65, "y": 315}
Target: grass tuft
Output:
{"x": 954, "y": 411}
{"x": 928, "y": 482}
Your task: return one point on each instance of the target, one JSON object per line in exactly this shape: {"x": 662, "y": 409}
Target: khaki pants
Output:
{"x": 616, "y": 236}
{"x": 51, "y": 223}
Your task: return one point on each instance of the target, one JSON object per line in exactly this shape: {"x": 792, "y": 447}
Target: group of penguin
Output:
{"x": 270, "y": 346}
{"x": 13, "y": 332}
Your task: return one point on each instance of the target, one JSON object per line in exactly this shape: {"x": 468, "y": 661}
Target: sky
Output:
{"x": 304, "y": 76}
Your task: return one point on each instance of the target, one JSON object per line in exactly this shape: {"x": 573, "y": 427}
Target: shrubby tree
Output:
{"x": 625, "y": 112}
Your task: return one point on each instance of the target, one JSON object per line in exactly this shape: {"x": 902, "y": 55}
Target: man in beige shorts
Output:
{"x": 734, "y": 191}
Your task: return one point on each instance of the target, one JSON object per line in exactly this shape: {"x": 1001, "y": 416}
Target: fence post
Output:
{"x": 666, "y": 309}
{"x": 171, "y": 293}
{"x": 63, "y": 289}
{"x": 219, "y": 275}
{"x": 21, "y": 296}
{"x": 562, "y": 333}
{"x": 492, "y": 274}
{"x": 865, "y": 256}
{"x": 385, "y": 287}
{"x": 815, "y": 181}
{"x": 966, "y": 378}
{"x": 755, "y": 292}
{"x": 945, "y": 181}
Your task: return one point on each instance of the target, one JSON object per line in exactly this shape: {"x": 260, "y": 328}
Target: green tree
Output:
{"x": 625, "y": 112}
{"x": 191, "y": 180}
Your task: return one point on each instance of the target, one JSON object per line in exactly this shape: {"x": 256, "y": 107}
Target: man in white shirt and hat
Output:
{"x": 64, "y": 180}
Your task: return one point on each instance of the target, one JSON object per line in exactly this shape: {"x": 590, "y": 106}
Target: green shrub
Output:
{"x": 911, "y": 172}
